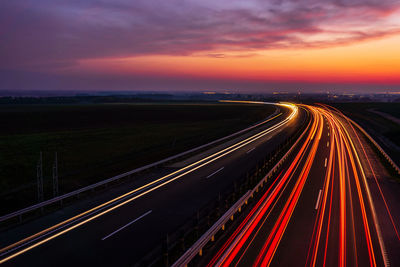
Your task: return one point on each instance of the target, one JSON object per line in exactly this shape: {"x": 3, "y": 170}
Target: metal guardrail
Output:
{"x": 197, "y": 247}
{"x": 45, "y": 203}
{"x": 384, "y": 154}
{"x": 387, "y": 157}
{"x": 209, "y": 235}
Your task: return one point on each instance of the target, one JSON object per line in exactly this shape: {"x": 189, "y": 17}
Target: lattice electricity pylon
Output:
{"x": 55, "y": 175}
{"x": 39, "y": 174}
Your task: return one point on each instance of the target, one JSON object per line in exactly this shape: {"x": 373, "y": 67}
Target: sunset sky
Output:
{"x": 177, "y": 45}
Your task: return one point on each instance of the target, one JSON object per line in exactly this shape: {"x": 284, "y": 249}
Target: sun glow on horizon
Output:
{"x": 374, "y": 60}
{"x": 165, "y": 44}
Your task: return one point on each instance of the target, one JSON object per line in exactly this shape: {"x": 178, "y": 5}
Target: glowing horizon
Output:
{"x": 96, "y": 44}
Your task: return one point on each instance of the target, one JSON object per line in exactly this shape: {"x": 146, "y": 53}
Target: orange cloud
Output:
{"x": 376, "y": 60}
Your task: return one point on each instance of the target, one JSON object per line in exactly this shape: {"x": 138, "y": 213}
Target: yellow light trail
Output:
{"x": 344, "y": 158}
{"x": 193, "y": 167}
{"x": 225, "y": 259}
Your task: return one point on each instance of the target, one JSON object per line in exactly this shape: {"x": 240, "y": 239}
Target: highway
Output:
{"x": 121, "y": 230}
{"x": 319, "y": 210}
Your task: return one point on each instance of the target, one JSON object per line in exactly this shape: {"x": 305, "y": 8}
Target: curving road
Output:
{"x": 319, "y": 211}
{"x": 121, "y": 230}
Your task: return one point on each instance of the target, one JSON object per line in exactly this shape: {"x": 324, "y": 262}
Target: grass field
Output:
{"x": 384, "y": 130}
{"x": 97, "y": 141}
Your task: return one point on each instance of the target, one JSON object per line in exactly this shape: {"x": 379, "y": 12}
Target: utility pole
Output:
{"x": 55, "y": 175}
{"x": 39, "y": 175}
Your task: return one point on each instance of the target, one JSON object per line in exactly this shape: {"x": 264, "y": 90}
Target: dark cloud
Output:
{"x": 44, "y": 31}
{"x": 49, "y": 35}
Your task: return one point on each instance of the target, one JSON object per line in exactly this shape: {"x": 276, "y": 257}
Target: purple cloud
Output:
{"x": 51, "y": 34}
{"x": 46, "y": 35}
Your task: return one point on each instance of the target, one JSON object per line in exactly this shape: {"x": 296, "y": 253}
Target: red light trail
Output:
{"x": 345, "y": 226}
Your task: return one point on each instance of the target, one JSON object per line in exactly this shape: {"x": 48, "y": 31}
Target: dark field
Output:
{"x": 385, "y": 130}
{"x": 97, "y": 141}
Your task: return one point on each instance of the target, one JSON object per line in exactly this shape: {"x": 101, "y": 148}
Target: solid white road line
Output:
{"x": 250, "y": 150}
{"x": 220, "y": 169}
{"x": 126, "y": 225}
{"x": 326, "y": 160}
{"x": 319, "y": 197}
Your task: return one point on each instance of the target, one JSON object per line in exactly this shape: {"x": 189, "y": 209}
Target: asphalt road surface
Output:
{"x": 120, "y": 231}
{"x": 319, "y": 211}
